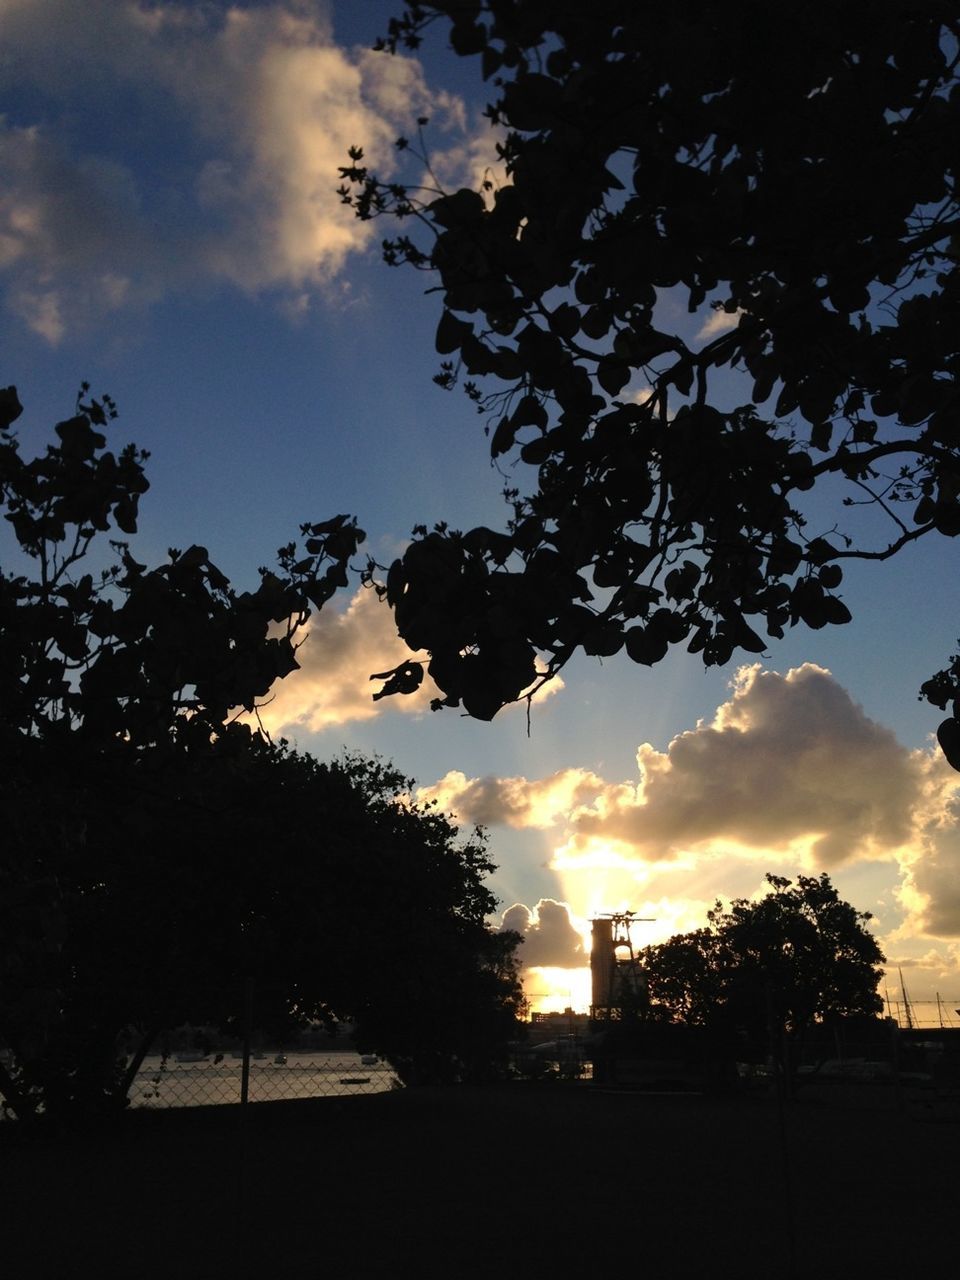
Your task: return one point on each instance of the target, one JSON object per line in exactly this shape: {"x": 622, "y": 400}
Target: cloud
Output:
{"x": 788, "y": 763}
{"x": 789, "y": 774}
{"x": 221, "y": 167}
{"x": 550, "y": 938}
{"x": 514, "y": 802}
{"x": 717, "y": 322}
{"x": 340, "y": 649}
{"x": 930, "y": 890}
{"x": 925, "y": 975}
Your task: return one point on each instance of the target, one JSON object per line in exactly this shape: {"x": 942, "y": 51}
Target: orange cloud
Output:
{"x": 789, "y": 774}
{"x": 515, "y": 802}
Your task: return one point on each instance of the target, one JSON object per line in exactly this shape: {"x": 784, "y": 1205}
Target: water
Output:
{"x": 303, "y": 1075}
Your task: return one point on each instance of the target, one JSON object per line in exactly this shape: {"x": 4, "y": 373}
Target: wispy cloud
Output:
{"x": 221, "y": 166}
{"x": 717, "y": 322}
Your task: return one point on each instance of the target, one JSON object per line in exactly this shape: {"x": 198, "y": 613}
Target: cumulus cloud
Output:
{"x": 789, "y": 774}
{"x": 221, "y": 167}
{"x": 550, "y": 938}
{"x": 339, "y": 651}
{"x": 514, "y": 802}
{"x": 930, "y": 889}
{"x": 789, "y": 762}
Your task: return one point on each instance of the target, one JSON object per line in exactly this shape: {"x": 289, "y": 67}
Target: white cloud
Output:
{"x": 222, "y": 168}
{"x": 930, "y": 889}
{"x": 717, "y": 322}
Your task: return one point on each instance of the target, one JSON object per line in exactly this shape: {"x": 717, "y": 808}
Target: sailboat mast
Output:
{"x": 906, "y": 1002}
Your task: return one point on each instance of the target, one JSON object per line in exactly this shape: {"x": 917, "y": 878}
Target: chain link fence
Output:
{"x": 193, "y": 1080}
{"x": 203, "y": 1079}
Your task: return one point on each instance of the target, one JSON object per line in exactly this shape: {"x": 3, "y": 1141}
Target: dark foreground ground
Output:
{"x": 510, "y": 1181}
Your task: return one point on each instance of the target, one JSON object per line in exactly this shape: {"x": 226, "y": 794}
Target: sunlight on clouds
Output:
{"x": 926, "y": 975}
{"x": 516, "y": 802}
{"x": 929, "y": 892}
{"x": 263, "y": 106}
{"x": 554, "y": 955}
{"x": 789, "y": 776}
{"x": 339, "y": 651}
{"x": 596, "y": 854}
{"x": 790, "y": 765}
{"x": 786, "y": 759}
{"x": 556, "y": 952}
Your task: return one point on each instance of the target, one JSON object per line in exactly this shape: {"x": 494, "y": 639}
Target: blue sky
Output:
{"x": 169, "y": 231}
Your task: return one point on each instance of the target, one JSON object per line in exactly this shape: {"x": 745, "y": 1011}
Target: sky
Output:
{"x": 170, "y": 232}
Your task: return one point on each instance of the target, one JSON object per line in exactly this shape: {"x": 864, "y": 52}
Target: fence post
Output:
{"x": 897, "y": 1082}
{"x": 247, "y": 1024}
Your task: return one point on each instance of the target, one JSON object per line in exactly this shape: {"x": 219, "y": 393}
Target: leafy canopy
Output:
{"x": 155, "y": 657}
{"x": 798, "y": 955}
{"x": 158, "y": 855}
{"x": 794, "y": 167}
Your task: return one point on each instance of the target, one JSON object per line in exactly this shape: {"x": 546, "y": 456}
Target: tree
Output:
{"x": 157, "y": 658}
{"x": 160, "y": 857}
{"x": 767, "y": 970}
{"x": 792, "y": 166}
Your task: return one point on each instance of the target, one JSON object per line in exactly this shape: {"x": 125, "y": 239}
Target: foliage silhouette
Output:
{"x": 767, "y": 970}
{"x": 157, "y": 657}
{"x": 159, "y": 855}
{"x": 794, "y": 167}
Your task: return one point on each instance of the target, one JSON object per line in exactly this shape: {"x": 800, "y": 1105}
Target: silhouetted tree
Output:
{"x": 792, "y": 165}
{"x": 158, "y": 855}
{"x": 156, "y": 657}
{"x": 766, "y": 970}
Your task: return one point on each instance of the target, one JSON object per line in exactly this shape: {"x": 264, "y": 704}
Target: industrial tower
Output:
{"x": 618, "y": 984}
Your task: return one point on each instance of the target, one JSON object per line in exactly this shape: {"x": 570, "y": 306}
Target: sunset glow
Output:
{"x": 278, "y": 372}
